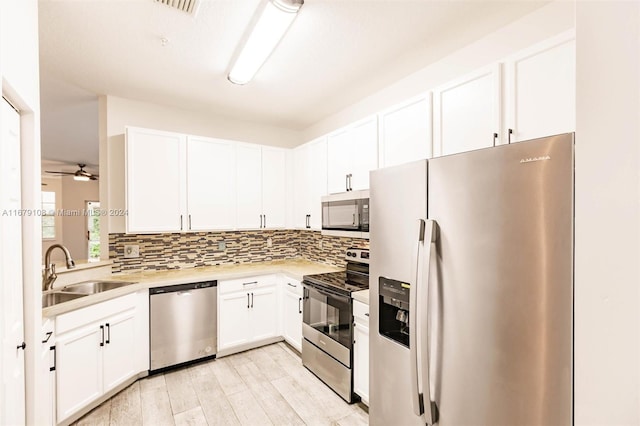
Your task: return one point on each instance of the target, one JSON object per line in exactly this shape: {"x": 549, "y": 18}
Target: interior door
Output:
{"x": 12, "y": 397}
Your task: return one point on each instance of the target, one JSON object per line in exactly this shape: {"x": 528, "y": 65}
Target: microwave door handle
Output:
{"x": 416, "y": 396}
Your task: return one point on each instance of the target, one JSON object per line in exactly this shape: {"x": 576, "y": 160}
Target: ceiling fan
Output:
{"x": 81, "y": 174}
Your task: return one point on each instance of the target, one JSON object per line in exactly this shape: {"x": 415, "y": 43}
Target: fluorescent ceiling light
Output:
{"x": 273, "y": 23}
{"x": 81, "y": 178}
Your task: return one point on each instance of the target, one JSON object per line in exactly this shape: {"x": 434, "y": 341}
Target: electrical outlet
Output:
{"x": 131, "y": 251}
{"x": 269, "y": 242}
{"x": 222, "y": 245}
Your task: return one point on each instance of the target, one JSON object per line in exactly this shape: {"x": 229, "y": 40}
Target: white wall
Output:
{"x": 125, "y": 112}
{"x": 607, "y": 254}
{"x": 19, "y": 80}
{"x": 75, "y": 194}
{"x": 544, "y": 23}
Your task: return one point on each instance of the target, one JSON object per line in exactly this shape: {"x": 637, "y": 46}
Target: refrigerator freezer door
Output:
{"x": 398, "y": 199}
{"x": 505, "y": 284}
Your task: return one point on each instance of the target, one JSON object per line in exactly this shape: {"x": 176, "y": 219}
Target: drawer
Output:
{"x": 361, "y": 311}
{"x": 97, "y": 312}
{"x": 247, "y": 283}
{"x": 292, "y": 286}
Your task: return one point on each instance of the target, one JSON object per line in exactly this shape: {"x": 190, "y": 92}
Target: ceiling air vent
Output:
{"x": 188, "y": 6}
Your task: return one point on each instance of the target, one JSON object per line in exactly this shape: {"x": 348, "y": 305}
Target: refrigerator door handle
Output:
{"x": 416, "y": 396}
{"x": 429, "y": 406}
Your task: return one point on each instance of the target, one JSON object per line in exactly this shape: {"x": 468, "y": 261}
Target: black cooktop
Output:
{"x": 336, "y": 281}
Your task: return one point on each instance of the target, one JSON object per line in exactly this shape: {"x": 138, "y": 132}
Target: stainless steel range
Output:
{"x": 327, "y": 346}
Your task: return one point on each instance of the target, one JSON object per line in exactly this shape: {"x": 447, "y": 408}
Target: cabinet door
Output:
{"x": 361, "y": 361}
{"x": 292, "y": 313}
{"x": 405, "y": 132}
{"x": 339, "y": 153}
{"x": 541, "y": 89}
{"x": 249, "y": 175}
{"x": 364, "y": 153}
{"x": 155, "y": 181}
{"x": 46, "y": 393}
{"x": 301, "y": 185}
{"x": 264, "y": 313}
{"x": 78, "y": 369}
{"x": 274, "y": 180}
{"x": 119, "y": 364}
{"x": 317, "y": 183}
{"x": 467, "y": 112}
{"x": 211, "y": 184}
{"x": 233, "y": 319}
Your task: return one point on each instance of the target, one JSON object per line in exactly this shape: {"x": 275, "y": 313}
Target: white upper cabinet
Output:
{"x": 249, "y": 175}
{"x": 467, "y": 112}
{"x": 405, "y": 132}
{"x": 211, "y": 183}
{"x": 156, "y": 180}
{"x": 351, "y": 153}
{"x": 310, "y": 183}
{"x": 274, "y": 180}
{"x": 261, "y": 175}
{"x": 540, "y": 84}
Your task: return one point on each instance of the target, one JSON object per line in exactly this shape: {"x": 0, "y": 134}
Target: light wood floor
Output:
{"x": 263, "y": 386}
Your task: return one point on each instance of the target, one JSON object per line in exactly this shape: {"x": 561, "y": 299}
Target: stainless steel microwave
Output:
{"x": 347, "y": 211}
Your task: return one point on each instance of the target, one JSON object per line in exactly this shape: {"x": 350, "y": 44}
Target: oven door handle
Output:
{"x": 325, "y": 293}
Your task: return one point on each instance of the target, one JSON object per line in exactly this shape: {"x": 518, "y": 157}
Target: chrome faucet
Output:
{"x": 49, "y": 274}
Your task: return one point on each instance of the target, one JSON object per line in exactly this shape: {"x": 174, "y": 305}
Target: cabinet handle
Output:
{"x": 252, "y": 300}
{"x": 300, "y": 305}
{"x": 260, "y": 221}
{"x": 366, "y": 314}
{"x": 189, "y": 222}
{"x": 350, "y": 176}
{"x": 354, "y": 219}
{"x": 308, "y": 221}
{"x": 181, "y": 222}
{"x": 292, "y": 285}
{"x": 265, "y": 221}
{"x": 251, "y": 283}
{"x": 509, "y": 135}
{"x": 346, "y": 182}
{"x": 495, "y": 137}
{"x": 22, "y": 346}
{"x": 102, "y": 331}
{"x": 247, "y": 300}
{"x": 49, "y": 333}
{"x": 108, "y": 334}
{"x": 53, "y": 348}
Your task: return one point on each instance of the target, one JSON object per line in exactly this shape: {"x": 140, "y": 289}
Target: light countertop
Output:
{"x": 61, "y": 266}
{"x": 148, "y": 279}
{"x": 361, "y": 296}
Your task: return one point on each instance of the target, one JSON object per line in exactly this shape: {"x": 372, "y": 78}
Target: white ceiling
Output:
{"x": 335, "y": 53}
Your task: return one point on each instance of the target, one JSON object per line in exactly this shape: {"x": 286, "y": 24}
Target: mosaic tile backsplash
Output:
{"x": 189, "y": 250}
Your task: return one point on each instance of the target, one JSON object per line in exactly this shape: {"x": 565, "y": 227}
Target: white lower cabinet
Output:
{"x": 46, "y": 413}
{"x": 247, "y": 311}
{"x": 361, "y": 350}
{"x": 292, "y": 312}
{"x": 98, "y": 348}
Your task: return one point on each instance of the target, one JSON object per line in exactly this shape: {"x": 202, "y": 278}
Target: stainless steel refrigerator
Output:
{"x": 471, "y": 285}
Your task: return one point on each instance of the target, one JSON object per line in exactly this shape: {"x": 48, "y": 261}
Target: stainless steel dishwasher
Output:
{"x": 183, "y": 323}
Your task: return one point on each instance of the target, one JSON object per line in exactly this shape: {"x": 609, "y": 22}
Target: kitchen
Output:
{"x": 598, "y": 338}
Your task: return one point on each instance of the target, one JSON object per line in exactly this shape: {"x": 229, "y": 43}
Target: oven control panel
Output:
{"x": 357, "y": 255}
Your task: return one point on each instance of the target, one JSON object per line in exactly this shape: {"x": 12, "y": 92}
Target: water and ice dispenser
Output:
{"x": 394, "y": 310}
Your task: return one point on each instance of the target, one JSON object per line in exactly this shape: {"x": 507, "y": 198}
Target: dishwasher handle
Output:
{"x": 182, "y": 288}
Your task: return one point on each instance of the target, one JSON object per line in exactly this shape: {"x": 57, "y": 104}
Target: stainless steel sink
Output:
{"x": 93, "y": 287}
{"x": 55, "y": 297}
